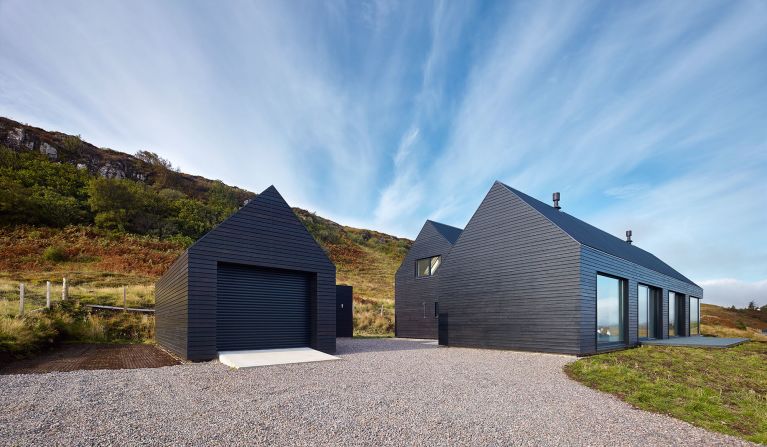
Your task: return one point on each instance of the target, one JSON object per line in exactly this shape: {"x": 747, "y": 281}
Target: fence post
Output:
{"x": 21, "y": 299}
{"x": 125, "y": 299}
{"x": 48, "y": 294}
{"x": 64, "y": 290}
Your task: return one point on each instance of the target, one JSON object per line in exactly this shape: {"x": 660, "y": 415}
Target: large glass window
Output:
{"x": 644, "y": 310}
{"x": 427, "y": 266}
{"x": 694, "y": 316}
{"x": 673, "y": 314}
{"x": 648, "y": 311}
{"x": 611, "y": 305}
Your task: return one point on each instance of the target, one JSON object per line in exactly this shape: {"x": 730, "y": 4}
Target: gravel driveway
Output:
{"x": 383, "y": 392}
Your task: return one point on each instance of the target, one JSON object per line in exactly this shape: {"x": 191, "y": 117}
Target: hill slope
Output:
{"x": 106, "y": 219}
{"x": 729, "y": 322}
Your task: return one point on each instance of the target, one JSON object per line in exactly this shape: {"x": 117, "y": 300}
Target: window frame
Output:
{"x": 624, "y": 315}
{"x": 656, "y": 296}
{"x": 432, "y": 270}
{"x": 678, "y": 314}
{"x": 689, "y": 322}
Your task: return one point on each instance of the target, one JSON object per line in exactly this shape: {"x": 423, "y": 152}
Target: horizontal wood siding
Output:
{"x": 171, "y": 294}
{"x": 264, "y": 233}
{"x": 512, "y": 280}
{"x": 594, "y": 261}
{"x": 414, "y": 297}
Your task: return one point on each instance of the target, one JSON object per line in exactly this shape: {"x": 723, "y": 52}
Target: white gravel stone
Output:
{"x": 382, "y": 392}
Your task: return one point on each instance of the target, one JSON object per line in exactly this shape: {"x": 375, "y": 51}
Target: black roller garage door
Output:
{"x": 261, "y": 308}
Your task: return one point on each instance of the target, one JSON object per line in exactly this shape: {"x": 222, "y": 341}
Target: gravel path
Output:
{"x": 383, "y": 392}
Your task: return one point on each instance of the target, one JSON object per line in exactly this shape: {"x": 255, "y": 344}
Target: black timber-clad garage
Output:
{"x": 258, "y": 280}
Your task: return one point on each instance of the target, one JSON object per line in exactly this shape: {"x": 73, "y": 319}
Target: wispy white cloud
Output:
{"x": 733, "y": 292}
{"x": 626, "y": 191}
{"x": 382, "y": 114}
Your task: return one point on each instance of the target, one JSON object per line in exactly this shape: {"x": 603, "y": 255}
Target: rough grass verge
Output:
{"x": 69, "y": 321}
{"x": 722, "y": 390}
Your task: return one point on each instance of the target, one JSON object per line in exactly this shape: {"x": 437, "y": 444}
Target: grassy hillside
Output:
{"x": 727, "y": 322}
{"x": 106, "y": 219}
{"x": 98, "y": 263}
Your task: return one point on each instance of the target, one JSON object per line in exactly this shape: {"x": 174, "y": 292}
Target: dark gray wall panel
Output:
{"x": 594, "y": 261}
{"x": 171, "y": 293}
{"x": 414, "y": 297}
{"x": 512, "y": 280}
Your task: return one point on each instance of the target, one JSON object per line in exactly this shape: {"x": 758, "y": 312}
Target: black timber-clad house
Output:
{"x": 415, "y": 291}
{"x": 258, "y": 280}
{"x": 524, "y": 275}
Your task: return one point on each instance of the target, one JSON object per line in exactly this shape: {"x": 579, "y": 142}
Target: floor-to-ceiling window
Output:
{"x": 611, "y": 305}
{"x": 675, "y": 314}
{"x": 694, "y": 316}
{"x": 648, "y": 311}
{"x": 672, "y": 314}
{"x": 644, "y": 304}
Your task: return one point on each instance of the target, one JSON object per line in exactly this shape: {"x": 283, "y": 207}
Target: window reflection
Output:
{"x": 610, "y": 309}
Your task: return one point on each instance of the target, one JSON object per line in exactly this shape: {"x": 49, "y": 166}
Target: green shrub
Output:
{"x": 70, "y": 321}
{"x": 55, "y": 254}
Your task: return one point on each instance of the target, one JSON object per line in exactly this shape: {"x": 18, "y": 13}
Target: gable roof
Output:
{"x": 593, "y": 237}
{"x": 448, "y": 232}
{"x": 267, "y": 218}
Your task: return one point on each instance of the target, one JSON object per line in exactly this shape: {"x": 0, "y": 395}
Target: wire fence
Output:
{"x": 27, "y": 297}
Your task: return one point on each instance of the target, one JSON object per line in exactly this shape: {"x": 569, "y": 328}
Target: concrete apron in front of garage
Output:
{"x": 265, "y": 357}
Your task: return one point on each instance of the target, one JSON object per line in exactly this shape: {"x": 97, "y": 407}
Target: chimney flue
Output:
{"x": 556, "y": 201}
{"x": 628, "y": 236}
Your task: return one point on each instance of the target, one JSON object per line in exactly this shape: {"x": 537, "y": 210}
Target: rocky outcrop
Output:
{"x": 103, "y": 162}
{"x": 70, "y": 149}
{"x": 49, "y": 150}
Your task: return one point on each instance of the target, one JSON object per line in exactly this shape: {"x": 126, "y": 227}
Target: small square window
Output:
{"x": 427, "y": 266}
{"x": 423, "y": 267}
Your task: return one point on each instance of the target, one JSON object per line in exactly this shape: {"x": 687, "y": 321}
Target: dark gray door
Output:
{"x": 261, "y": 308}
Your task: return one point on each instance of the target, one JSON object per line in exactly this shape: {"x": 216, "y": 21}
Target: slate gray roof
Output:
{"x": 448, "y": 232}
{"x": 595, "y": 238}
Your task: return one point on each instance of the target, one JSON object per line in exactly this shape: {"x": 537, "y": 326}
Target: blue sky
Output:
{"x": 644, "y": 115}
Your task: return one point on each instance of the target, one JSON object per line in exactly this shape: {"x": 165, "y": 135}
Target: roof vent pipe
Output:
{"x": 628, "y": 236}
{"x": 556, "y": 201}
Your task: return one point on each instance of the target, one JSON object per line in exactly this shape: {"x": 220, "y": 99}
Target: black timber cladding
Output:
{"x": 593, "y": 262}
{"x": 344, "y": 311}
{"x": 414, "y": 297}
{"x": 515, "y": 279}
{"x": 266, "y": 234}
{"x": 512, "y": 280}
{"x": 592, "y": 236}
{"x": 171, "y": 307}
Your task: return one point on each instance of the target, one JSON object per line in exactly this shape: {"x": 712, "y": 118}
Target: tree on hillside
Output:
{"x": 35, "y": 191}
{"x": 126, "y": 205}
{"x": 752, "y": 305}
{"x": 164, "y": 175}
{"x": 222, "y": 199}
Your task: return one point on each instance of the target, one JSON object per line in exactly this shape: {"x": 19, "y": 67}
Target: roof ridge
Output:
{"x": 449, "y": 232}
{"x": 540, "y": 206}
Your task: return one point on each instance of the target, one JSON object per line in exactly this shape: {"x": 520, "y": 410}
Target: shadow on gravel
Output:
{"x": 362, "y": 345}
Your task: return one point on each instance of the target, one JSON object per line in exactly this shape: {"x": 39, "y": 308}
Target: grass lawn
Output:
{"x": 723, "y": 390}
